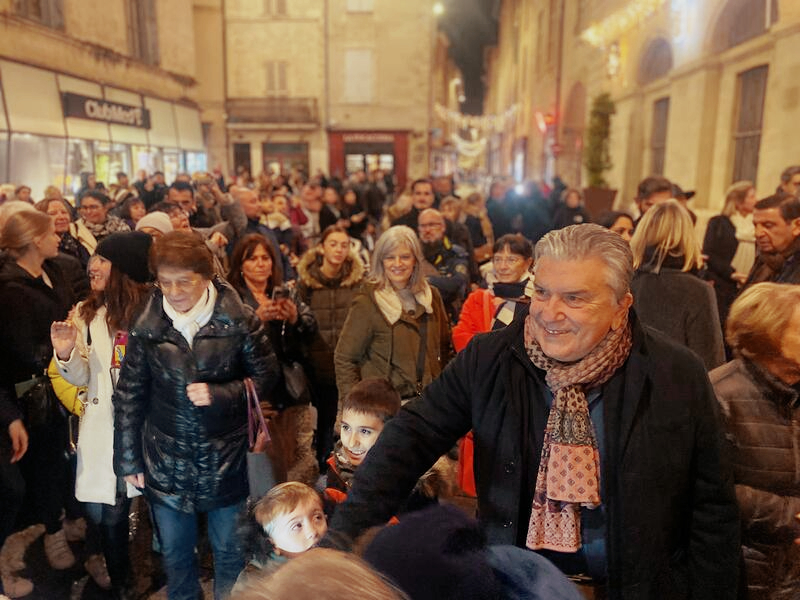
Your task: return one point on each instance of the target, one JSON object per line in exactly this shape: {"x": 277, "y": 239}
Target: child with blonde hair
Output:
{"x": 283, "y": 524}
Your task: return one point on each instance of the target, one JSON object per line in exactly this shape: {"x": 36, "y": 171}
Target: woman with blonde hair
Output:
{"x": 757, "y": 394}
{"x": 397, "y": 327}
{"x": 667, "y": 293}
{"x": 34, "y": 292}
{"x": 730, "y": 244}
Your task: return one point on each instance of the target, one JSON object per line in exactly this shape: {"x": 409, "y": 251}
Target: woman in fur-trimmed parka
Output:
{"x": 329, "y": 275}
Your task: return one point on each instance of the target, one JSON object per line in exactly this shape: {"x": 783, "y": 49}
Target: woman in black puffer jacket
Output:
{"x": 180, "y": 412}
{"x": 329, "y": 275}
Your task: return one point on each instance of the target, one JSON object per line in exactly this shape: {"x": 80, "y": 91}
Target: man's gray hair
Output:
{"x": 580, "y": 242}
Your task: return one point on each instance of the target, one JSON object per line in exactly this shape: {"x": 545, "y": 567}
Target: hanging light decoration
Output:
{"x": 483, "y": 123}
{"x": 603, "y": 33}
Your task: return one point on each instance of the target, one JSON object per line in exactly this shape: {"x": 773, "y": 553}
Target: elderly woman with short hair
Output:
{"x": 397, "y": 327}
{"x": 758, "y": 394}
{"x": 180, "y": 422}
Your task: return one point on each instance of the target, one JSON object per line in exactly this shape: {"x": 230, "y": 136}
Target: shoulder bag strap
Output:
{"x": 423, "y": 348}
{"x": 255, "y": 416}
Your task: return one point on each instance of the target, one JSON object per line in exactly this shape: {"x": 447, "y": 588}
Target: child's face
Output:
{"x": 297, "y": 531}
{"x": 359, "y": 433}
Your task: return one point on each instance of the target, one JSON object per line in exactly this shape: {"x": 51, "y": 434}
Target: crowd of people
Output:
{"x": 621, "y": 398}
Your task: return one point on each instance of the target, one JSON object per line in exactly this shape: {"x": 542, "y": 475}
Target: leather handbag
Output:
{"x": 265, "y": 469}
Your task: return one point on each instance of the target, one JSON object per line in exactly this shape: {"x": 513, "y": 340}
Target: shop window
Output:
{"x": 49, "y": 13}
{"x": 37, "y": 161}
{"x": 143, "y": 31}
{"x": 656, "y": 61}
{"x": 275, "y": 8}
{"x": 195, "y": 161}
{"x": 79, "y": 160}
{"x": 358, "y": 76}
{"x": 658, "y": 137}
{"x": 747, "y": 137}
{"x": 241, "y": 157}
{"x": 172, "y": 165}
{"x": 146, "y": 159}
{"x": 360, "y": 5}
{"x": 742, "y": 20}
{"x": 278, "y": 156}
{"x": 277, "y": 78}
{"x": 110, "y": 159}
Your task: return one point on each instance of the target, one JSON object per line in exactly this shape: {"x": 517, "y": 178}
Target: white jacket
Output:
{"x": 95, "y": 481}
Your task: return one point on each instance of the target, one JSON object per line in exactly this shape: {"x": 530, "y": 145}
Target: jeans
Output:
{"x": 178, "y": 534}
{"x": 111, "y": 522}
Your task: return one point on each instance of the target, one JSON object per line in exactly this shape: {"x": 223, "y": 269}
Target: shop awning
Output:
{"x": 190, "y": 133}
{"x": 162, "y": 131}
{"x": 122, "y": 134}
{"x": 32, "y": 100}
{"x": 83, "y": 128}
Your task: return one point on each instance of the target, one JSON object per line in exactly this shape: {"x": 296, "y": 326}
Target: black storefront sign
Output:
{"x": 97, "y": 109}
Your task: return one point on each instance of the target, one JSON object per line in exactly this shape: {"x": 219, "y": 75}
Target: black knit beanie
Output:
{"x": 128, "y": 252}
{"x": 435, "y": 554}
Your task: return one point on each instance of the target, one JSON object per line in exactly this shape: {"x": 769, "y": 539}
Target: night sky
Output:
{"x": 471, "y": 25}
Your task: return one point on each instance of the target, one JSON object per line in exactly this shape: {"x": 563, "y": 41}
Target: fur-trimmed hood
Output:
{"x": 308, "y": 270}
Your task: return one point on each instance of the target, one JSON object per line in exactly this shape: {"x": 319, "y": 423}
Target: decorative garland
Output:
{"x": 484, "y": 123}
{"x": 610, "y": 29}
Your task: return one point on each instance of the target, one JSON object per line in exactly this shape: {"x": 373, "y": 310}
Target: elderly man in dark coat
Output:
{"x": 597, "y": 441}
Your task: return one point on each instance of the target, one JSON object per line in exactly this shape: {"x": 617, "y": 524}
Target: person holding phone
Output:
{"x": 291, "y": 327}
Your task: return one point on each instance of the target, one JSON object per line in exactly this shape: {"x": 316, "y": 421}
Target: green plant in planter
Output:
{"x": 596, "y": 157}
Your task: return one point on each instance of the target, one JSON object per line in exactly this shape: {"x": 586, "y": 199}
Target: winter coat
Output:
{"x": 761, "y": 415}
{"x": 29, "y": 306}
{"x": 91, "y": 366}
{"x": 193, "y": 458}
{"x": 565, "y": 216}
{"x": 720, "y": 246}
{"x": 776, "y": 267}
{"x": 476, "y": 317}
{"x": 672, "y": 529}
{"x": 329, "y": 300}
{"x": 369, "y": 346}
{"x": 289, "y": 342}
{"x": 683, "y": 307}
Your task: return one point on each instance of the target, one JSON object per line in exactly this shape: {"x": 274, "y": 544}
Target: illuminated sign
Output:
{"x": 97, "y": 109}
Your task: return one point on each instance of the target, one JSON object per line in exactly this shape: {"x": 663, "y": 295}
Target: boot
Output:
{"x": 15, "y": 586}
{"x": 95, "y": 565}
{"x": 57, "y": 551}
{"x": 74, "y": 529}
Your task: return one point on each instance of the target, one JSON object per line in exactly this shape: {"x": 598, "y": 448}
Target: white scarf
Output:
{"x": 391, "y": 306}
{"x": 190, "y": 322}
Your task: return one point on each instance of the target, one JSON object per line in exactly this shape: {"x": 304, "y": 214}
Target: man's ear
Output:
{"x": 625, "y": 304}
{"x": 796, "y": 227}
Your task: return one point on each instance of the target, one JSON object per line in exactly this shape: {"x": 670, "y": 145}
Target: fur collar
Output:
{"x": 308, "y": 270}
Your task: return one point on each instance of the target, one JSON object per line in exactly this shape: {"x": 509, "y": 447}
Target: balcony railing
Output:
{"x": 272, "y": 110}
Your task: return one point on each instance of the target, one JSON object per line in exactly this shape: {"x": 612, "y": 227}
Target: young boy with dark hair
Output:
{"x": 370, "y": 404}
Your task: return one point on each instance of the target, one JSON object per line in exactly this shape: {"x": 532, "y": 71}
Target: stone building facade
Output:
{"x": 706, "y": 92}
{"x": 336, "y": 85}
{"x": 97, "y": 86}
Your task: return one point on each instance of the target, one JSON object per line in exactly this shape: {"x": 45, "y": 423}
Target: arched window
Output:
{"x": 742, "y": 20}
{"x": 656, "y": 61}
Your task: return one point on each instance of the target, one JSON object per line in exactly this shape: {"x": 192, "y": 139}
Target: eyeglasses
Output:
{"x": 430, "y": 225}
{"x": 89, "y": 207}
{"x": 506, "y": 260}
{"x": 181, "y": 285}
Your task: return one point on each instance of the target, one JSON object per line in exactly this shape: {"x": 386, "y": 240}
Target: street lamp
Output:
{"x": 438, "y": 9}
